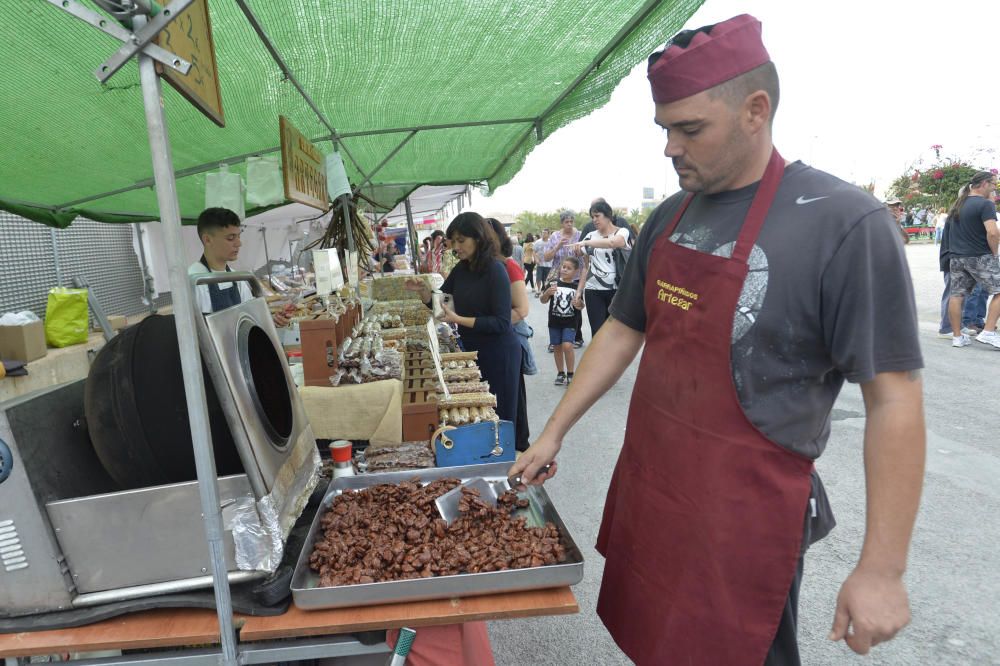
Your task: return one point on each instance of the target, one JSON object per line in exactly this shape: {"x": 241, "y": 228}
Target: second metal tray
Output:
{"x": 308, "y": 594}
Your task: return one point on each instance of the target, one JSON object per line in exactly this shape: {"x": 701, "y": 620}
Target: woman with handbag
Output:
{"x": 481, "y": 292}
{"x": 520, "y": 305}
{"x": 601, "y": 265}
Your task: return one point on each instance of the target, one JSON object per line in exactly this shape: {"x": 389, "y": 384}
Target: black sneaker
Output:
{"x": 560, "y": 379}
{"x": 569, "y": 378}
{"x": 578, "y": 344}
{"x": 552, "y": 348}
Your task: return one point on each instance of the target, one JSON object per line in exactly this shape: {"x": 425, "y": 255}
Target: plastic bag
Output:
{"x": 22, "y": 318}
{"x": 225, "y": 190}
{"x": 264, "y": 184}
{"x": 66, "y": 316}
{"x": 336, "y": 176}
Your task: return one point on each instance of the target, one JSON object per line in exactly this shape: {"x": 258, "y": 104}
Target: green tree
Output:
{"x": 638, "y": 216}
{"x": 935, "y": 186}
{"x": 529, "y": 222}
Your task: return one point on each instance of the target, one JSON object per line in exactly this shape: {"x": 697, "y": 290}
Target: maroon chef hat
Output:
{"x": 696, "y": 60}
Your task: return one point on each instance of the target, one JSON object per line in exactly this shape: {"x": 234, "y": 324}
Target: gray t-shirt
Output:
{"x": 828, "y": 297}
{"x": 968, "y": 232}
{"x": 517, "y": 254}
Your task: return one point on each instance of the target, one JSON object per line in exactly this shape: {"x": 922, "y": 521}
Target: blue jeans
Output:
{"x": 973, "y": 308}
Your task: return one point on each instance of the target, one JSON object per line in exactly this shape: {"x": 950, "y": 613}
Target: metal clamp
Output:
{"x": 497, "y": 449}
{"x": 230, "y": 276}
{"x": 141, "y": 40}
{"x": 445, "y": 441}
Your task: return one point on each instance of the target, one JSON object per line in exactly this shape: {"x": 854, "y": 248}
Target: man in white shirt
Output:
{"x": 219, "y": 230}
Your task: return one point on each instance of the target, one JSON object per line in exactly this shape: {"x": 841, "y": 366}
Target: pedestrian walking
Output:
{"x": 563, "y": 313}
{"x": 529, "y": 262}
{"x": 599, "y": 266}
{"x": 973, "y": 242}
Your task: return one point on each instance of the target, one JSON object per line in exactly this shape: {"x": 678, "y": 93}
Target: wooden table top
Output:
{"x": 297, "y": 622}
{"x": 166, "y": 627}
{"x": 173, "y": 627}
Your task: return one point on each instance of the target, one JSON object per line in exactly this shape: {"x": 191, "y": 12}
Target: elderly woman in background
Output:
{"x": 480, "y": 288}
{"x": 597, "y": 248}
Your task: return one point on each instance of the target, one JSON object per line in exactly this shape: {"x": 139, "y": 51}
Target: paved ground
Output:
{"x": 953, "y": 574}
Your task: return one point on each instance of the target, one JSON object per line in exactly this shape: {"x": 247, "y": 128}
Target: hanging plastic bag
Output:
{"x": 264, "y": 184}
{"x": 225, "y": 190}
{"x": 66, "y": 316}
{"x": 337, "y": 183}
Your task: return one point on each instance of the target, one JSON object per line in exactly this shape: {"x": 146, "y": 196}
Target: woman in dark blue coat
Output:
{"x": 480, "y": 290}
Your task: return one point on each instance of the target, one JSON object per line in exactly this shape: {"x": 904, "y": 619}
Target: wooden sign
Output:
{"x": 190, "y": 37}
{"x": 302, "y": 168}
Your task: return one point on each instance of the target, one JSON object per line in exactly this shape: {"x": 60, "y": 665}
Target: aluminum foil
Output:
{"x": 260, "y": 528}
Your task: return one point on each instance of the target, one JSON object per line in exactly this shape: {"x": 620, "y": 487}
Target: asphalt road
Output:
{"x": 954, "y": 570}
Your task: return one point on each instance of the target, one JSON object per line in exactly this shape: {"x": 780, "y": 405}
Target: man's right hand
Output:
{"x": 872, "y": 608}
{"x": 539, "y": 454}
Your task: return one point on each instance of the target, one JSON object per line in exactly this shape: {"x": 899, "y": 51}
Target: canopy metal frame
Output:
{"x": 534, "y": 124}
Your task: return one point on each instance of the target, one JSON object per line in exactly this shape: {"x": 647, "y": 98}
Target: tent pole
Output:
{"x": 55, "y": 256}
{"x": 287, "y": 71}
{"x": 187, "y": 338}
{"x": 388, "y": 157}
{"x": 351, "y": 244}
{"x": 414, "y": 253}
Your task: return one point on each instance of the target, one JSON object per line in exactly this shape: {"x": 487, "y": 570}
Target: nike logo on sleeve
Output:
{"x": 802, "y": 200}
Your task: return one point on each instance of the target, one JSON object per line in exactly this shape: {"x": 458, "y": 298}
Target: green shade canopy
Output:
{"x": 483, "y": 81}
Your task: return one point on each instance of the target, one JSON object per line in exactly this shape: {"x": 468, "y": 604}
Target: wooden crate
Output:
{"x": 420, "y": 415}
{"x": 417, "y": 384}
{"x": 319, "y": 340}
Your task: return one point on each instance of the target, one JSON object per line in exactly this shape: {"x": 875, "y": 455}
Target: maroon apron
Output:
{"x": 703, "y": 522}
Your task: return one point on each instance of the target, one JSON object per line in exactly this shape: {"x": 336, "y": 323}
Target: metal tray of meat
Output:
{"x": 308, "y": 594}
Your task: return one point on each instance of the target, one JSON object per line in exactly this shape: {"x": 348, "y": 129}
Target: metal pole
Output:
{"x": 267, "y": 256}
{"x": 413, "y": 236}
{"x": 187, "y": 338}
{"x": 286, "y": 70}
{"x": 55, "y": 256}
{"x": 385, "y": 161}
{"x": 147, "y": 279}
{"x": 351, "y": 245}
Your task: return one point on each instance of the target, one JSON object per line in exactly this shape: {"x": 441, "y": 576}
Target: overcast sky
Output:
{"x": 867, "y": 87}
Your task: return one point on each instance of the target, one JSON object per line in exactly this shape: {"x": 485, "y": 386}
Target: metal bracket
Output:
{"x": 133, "y": 43}
{"x": 95, "y": 308}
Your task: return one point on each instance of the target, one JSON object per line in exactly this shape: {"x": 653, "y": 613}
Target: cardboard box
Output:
{"x": 117, "y": 322}
{"x": 23, "y": 343}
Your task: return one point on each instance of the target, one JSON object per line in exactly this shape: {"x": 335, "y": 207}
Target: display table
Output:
{"x": 171, "y": 628}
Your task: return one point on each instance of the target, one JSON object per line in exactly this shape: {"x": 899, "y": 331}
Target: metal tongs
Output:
{"x": 448, "y": 504}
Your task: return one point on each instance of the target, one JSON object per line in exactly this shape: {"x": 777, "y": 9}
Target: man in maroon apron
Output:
{"x": 756, "y": 292}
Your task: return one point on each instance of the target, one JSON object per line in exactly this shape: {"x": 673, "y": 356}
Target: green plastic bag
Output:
{"x": 66, "y": 317}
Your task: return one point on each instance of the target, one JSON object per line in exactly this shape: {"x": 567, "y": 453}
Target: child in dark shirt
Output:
{"x": 563, "y": 311}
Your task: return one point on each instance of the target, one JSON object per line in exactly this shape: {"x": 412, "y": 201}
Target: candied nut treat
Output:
{"x": 394, "y": 532}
